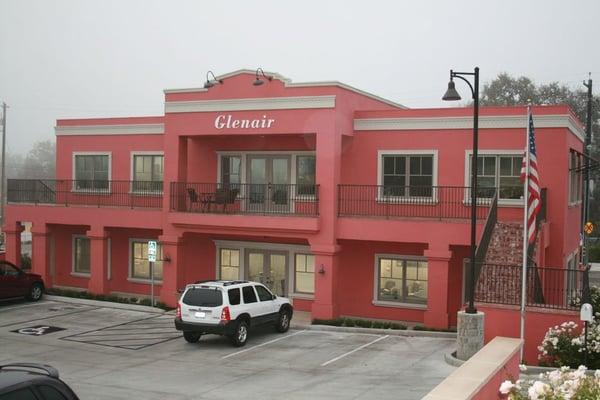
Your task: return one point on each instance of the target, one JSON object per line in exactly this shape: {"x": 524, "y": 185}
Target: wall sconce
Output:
{"x": 259, "y": 81}
{"x": 321, "y": 269}
{"x": 211, "y": 82}
{"x": 167, "y": 258}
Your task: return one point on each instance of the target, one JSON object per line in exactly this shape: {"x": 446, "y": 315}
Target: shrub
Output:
{"x": 105, "y": 297}
{"x": 426, "y": 328}
{"x": 564, "y": 346}
{"x": 362, "y": 323}
{"x": 560, "y": 384}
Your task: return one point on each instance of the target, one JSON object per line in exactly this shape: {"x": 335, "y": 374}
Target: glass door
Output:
{"x": 269, "y": 178}
{"x": 268, "y": 268}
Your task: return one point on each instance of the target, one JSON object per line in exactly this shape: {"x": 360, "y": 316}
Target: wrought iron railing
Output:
{"x": 439, "y": 202}
{"x": 248, "y": 198}
{"x": 556, "y": 288}
{"x": 98, "y": 193}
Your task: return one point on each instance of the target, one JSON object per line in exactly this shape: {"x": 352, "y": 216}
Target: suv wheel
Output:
{"x": 240, "y": 334}
{"x": 35, "y": 292}
{"x": 192, "y": 337}
{"x": 283, "y": 322}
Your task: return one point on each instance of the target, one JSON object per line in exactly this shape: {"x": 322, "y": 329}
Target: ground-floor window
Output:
{"x": 305, "y": 273}
{"x": 229, "y": 268}
{"x": 401, "y": 280}
{"x": 140, "y": 267}
{"x": 81, "y": 255}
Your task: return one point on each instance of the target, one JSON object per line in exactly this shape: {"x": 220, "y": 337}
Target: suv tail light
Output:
{"x": 178, "y": 312}
{"x": 225, "y": 316}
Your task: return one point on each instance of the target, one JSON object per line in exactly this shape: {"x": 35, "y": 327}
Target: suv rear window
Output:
{"x": 203, "y": 297}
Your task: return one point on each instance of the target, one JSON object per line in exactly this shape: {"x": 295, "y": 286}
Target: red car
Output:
{"x": 14, "y": 282}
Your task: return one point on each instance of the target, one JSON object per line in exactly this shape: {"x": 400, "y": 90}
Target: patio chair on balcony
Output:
{"x": 222, "y": 197}
{"x": 193, "y": 195}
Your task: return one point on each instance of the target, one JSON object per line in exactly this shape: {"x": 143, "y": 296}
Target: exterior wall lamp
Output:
{"x": 321, "y": 269}
{"x": 211, "y": 82}
{"x": 452, "y": 95}
{"x": 167, "y": 258}
{"x": 258, "y": 81}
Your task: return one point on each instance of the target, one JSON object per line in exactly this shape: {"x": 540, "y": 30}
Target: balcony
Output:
{"x": 91, "y": 193}
{"x": 245, "y": 199}
{"x": 429, "y": 202}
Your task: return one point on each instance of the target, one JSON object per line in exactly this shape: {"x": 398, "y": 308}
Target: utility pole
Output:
{"x": 586, "y": 190}
{"x": 3, "y": 175}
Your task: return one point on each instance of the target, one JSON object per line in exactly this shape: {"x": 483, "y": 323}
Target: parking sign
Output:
{"x": 151, "y": 251}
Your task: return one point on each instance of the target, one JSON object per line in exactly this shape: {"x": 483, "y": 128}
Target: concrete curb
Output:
{"x": 452, "y": 360}
{"x": 104, "y": 304}
{"x": 373, "y": 331}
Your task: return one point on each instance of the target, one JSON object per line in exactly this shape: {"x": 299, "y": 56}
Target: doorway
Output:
{"x": 269, "y": 268}
{"x": 269, "y": 183}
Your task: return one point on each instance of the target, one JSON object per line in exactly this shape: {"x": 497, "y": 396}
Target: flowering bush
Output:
{"x": 561, "y": 384}
{"x": 564, "y": 346}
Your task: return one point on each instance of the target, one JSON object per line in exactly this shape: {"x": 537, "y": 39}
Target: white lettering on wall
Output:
{"x": 228, "y": 122}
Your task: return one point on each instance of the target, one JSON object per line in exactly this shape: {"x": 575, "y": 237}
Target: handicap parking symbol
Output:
{"x": 38, "y": 330}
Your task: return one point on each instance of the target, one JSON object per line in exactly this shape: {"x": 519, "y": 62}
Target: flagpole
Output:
{"x": 525, "y": 236}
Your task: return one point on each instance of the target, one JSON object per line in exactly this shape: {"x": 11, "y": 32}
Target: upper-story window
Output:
{"x": 148, "y": 172}
{"x": 575, "y": 177}
{"x": 407, "y": 175}
{"x": 306, "y": 174}
{"x": 500, "y": 171}
{"x": 231, "y": 170}
{"x": 91, "y": 171}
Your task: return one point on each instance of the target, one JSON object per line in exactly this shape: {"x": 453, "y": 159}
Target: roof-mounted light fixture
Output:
{"x": 259, "y": 81}
{"x": 211, "y": 82}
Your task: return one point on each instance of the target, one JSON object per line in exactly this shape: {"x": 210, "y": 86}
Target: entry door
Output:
{"x": 268, "y": 268}
{"x": 269, "y": 178}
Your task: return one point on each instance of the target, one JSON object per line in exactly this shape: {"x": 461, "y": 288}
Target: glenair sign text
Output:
{"x": 227, "y": 122}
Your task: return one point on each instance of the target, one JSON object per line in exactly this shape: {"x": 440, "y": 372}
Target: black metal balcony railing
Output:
{"x": 412, "y": 201}
{"x": 555, "y": 288}
{"x": 98, "y": 193}
{"x": 264, "y": 199}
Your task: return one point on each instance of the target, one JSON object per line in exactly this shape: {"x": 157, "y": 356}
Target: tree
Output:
{"x": 40, "y": 162}
{"x": 506, "y": 90}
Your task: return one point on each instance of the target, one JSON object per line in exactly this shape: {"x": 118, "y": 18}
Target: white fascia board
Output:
{"x": 486, "y": 122}
{"x": 261, "y": 103}
{"x": 132, "y": 129}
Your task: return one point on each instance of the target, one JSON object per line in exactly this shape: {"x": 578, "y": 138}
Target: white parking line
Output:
{"x": 354, "y": 351}
{"x": 25, "y": 306}
{"x": 260, "y": 345}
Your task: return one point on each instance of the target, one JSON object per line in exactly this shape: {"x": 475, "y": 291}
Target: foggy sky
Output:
{"x": 79, "y": 58}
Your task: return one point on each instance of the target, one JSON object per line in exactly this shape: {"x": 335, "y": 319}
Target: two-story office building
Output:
{"x": 348, "y": 203}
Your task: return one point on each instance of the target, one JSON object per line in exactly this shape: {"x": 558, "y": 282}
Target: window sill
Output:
{"x": 302, "y": 296}
{"x": 148, "y": 193}
{"x": 81, "y": 274}
{"x": 144, "y": 281}
{"x": 392, "y": 304}
{"x": 517, "y": 203}
{"x": 105, "y": 192}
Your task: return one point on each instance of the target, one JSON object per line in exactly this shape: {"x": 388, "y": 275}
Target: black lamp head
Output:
{"x": 451, "y": 94}
{"x": 211, "y": 82}
{"x": 258, "y": 81}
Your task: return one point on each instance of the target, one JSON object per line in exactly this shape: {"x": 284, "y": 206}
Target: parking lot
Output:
{"x": 107, "y": 353}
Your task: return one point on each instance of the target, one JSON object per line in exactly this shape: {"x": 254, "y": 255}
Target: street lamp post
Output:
{"x": 452, "y": 95}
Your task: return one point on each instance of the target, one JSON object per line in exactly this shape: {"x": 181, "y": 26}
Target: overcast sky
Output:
{"x": 76, "y": 58}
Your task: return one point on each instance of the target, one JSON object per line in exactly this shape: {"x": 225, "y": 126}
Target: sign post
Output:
{"x": 151, "y": 260}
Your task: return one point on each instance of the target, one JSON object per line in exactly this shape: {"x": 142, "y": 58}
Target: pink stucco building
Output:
{"x": 348, "y": 203}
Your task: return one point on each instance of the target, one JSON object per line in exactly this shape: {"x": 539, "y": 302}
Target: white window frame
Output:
{"x": 243, "y": 169}
{"x": 579, "y": 176}
{"x": 74, "y": 176}
{"x": 408, "y": 199}
{"x": 73, "y": 271}
{"x": 130, "y": 276}
{"x": 497, "y": 153}
{"x": 289, "y": 249}
{"x": 132, "y": 170}
{"x": 394, "y": 304}
{"x": 293, "y": 272}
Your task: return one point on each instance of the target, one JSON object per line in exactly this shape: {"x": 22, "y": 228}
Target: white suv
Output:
{"x": 229, "y": 308}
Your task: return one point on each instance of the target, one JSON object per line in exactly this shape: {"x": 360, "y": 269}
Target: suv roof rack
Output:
{"x": 51, "y": 371}
{"x": 229, "y": 283}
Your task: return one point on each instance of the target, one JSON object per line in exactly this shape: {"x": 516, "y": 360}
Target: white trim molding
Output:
{"x": 250, "y": 104}
{"x": 79, "y": 274}
{"x": 383, "y": 303}
{"x": 288, "y": 83}
{"x": 130, "y": 277}
{"x": 485, "y": 122}
{"x": 98, "y": 130}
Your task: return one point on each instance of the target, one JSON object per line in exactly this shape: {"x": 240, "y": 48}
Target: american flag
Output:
{"x": 533, "y": 191}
